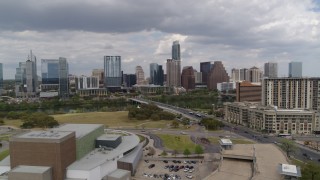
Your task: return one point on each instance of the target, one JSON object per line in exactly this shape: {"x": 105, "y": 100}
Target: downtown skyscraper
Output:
{"x": 112, "y": 72}
{"x": 271, "y": 69}
{"x": 174, "y": 66}
{"x": 26, "y": 78}
{"x": 295, "y": 69}
{"x": 156, "y": 74}
{"x": 55, "y": 81}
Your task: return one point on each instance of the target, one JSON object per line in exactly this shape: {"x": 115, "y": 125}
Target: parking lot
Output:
{"x": 168, "y": 169}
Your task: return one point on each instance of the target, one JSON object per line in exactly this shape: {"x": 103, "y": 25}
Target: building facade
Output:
{"x": 176, "y": 55}
{"x": 197, "y": 76}
{"x": 173, "y": 73}
{"x": 112, "y": 72}
{"x": 217, "y": 74}
{"x": 271, "y": 69}
{"x": 254, "y": 74}
{"x": 226, "y": 86}
{"x": 271, "y": 119}
{"x": 84, "y": 82}
{"x": 244, "y": 74}
{"x": 156, "y": 74}
{"x": 129, "y": 80}
{"x": 235, "y": 75}
{"x": 295, "y": 69}
{"x": 99, "y": 73}
{"x": 44, "y": 148}
{"x": 188, "y": 78}
{"x": 291, "y": 93}
{"x": 205, "y": 68}
{"x": 26, "y": 78}
{"x": 140, "y": 75}
{"x": 247, "y": 91}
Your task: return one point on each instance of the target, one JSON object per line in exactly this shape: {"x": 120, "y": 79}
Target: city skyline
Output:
{"x": 249, "y": 35}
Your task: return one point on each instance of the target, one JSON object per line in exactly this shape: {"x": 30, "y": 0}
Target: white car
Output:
{"x": 189, "y": 176}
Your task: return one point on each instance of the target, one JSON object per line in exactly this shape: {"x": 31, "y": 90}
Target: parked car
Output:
{"x": 151, "y": 166}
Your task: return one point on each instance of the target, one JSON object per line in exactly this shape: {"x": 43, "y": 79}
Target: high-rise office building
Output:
{"x": 85, "y": 82}
{"x": 1, "y": 79}
{"x": 112, "y": 72}
{"x": 99, "y": 73}
{"x": 235, "y": 75}
{"x": 55, "y": 77}
{"x": 26, "y": 78}
{"x": 295, "y": 69}
{"x": 140, "y": 75}
{"x": 254, "y": 74}
{"x": 217, "y": 74}
{"x": 129, "y": 80}
{"x": 291, "y": 93}
{"x": 244, "y": 74}
{"x": 156, "y": 74}
{"x": 173, "y": 73}
{"x": 197, "y": 76}
{"x": 176, "y": 51}
{"x": 271, "y": 70}
{"x": 63, "y": 77}
{"x": 205, "y": 68}
{"x": 188, "y": 78}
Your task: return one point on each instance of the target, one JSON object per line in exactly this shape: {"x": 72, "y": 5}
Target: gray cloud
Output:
{"x": 141, "y": 31}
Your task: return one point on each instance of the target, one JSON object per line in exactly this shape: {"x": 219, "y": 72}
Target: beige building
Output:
{"x": 173, "y": 73}
{"x": 271, "y": 119}
{"x": 140, "y": 75}
{"x": 291, "y": 93}
{"x": 254, "y": 74}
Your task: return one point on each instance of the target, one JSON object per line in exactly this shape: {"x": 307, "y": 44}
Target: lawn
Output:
{"x": 177, "y": 142}
{"x": 117, "y": 119}
{"x": 4, "y": 154}
{"x": 215, "y": 140}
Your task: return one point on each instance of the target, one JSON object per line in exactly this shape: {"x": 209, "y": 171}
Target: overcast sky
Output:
{"x": 240, "y": 33}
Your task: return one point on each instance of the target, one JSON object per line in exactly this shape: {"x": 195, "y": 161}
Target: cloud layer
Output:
{"x": 239, "y": 33}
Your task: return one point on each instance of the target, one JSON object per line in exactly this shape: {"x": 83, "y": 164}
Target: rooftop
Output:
{"x": 97, "y": 157}
{"x": 31, "y": 169}
{"x": 119, "y": 173}
{"x": 80, "y": 129}
{"x": 108, "y": 137}
{"x": 43, "y": 136}
{"x": 225, "y": 142}
{"x": 289, "y": 170}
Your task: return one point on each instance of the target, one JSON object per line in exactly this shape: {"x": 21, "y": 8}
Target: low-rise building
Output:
{"x": 272, "y": 119}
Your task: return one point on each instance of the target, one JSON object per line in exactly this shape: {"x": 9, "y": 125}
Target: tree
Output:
{"x": 164, "y": 153}
{"x": 152, "y": 151}
{"x": 175, "y": 124}
{"x": 186, "y": 152}
{"x": 198, "y": 150}
{"x": 288, "y": 146}
{"x": 311, "y": 171}
{"x": 175, "y": 152}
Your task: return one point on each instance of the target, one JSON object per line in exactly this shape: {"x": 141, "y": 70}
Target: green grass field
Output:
{"x": 177, "y": 142}
{"x": 4, "y": 154}
{"x": 117, "y": 119}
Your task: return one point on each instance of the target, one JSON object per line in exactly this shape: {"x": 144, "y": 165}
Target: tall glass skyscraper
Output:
{"x": 205, "y": 68}
{"x": 271, "y": 69}
{"x": 55, "y": 79}
{"x": 295, "y": 69}
{"x": 176, "y": 51}
{"x": 112, "y": 71}
{"x": 1, "y": 78}
{"x": 156, "y": 74}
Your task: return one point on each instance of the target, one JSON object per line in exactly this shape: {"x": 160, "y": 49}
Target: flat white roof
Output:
{"x": 226, "y": 141}
{"x": 80, "y": 129}
{"x": 289, "y": 168}
{"x": 44, "y": 135}
{"x": 96, "y": 158}
{"x": 108, "y": 137}
{"x": 31, "y": 169}
{"x": 119, "y": 173}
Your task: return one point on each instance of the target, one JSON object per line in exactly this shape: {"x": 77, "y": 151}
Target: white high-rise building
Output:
{"x": 173, "y": 73}
{"x": 140, "y": 76}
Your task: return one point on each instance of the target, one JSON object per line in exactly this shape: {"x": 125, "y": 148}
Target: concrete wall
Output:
{"x": 30, "y": 176}
{"x": 86, "y": 143}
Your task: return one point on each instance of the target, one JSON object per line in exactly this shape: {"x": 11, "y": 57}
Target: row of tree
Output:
{"x": 211, "y": 124}
{"x": 149, "y": 111}
{"x": 38, "y": 119}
